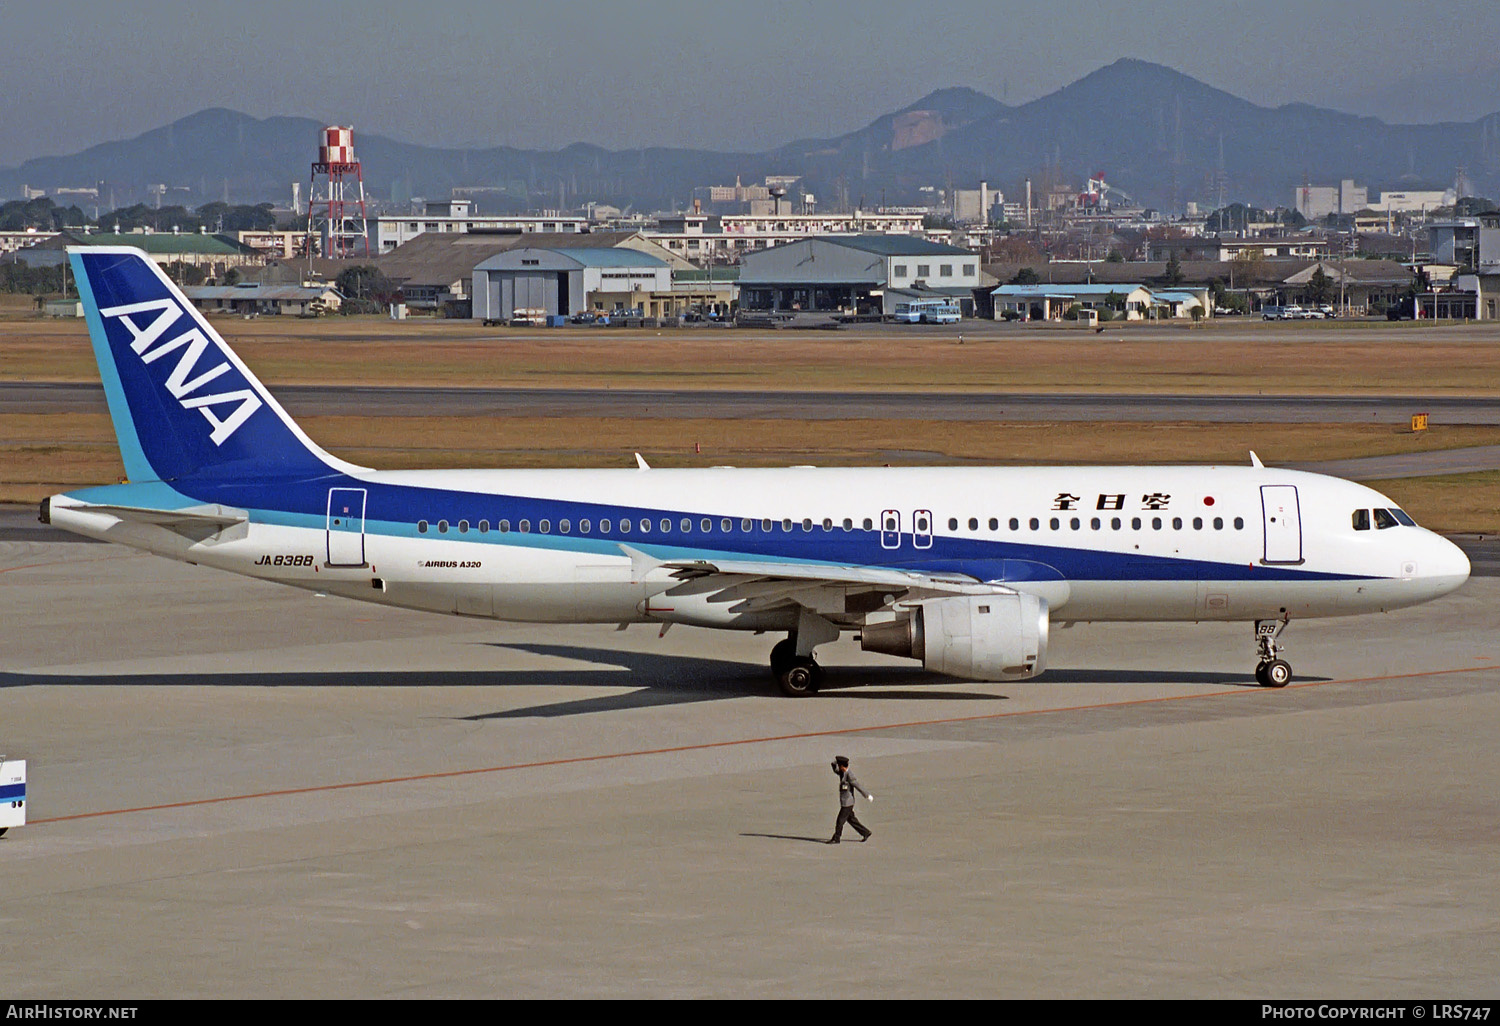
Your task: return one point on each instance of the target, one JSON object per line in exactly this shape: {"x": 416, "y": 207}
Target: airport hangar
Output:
{"x": 562, "y": 282}
{"x": 868, "y": 274}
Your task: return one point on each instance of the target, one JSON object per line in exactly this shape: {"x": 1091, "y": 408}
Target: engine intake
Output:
{"x": 979, "y": 637}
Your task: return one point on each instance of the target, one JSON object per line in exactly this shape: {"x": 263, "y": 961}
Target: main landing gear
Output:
{"x": 796, "y": 675}
{"x": 1272, "y": 672}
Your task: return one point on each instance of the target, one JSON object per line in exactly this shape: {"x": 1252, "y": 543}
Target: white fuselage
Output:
{"x": 1097, "y": 543}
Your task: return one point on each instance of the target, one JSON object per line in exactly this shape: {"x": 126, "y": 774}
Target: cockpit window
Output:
{"x": 1384, "y": 519}
{"x": 1402, "y": 518}
{"x": 1361, "y": 520}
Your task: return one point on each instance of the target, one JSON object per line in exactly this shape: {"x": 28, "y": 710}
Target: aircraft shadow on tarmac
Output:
{"x": 654, "y": 680}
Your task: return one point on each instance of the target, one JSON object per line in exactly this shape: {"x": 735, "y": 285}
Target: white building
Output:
{"x": 1418, "y": 202}
{"x": 706, "y": 238}
{"x": 1316, "y": 201}
{"x": 457, "y": 216}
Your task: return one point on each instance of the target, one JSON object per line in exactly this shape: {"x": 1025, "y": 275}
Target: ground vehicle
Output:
{"x": 1283, "y": 313}
{"x": 1403, "y": 310}
{"x": 927, "y": 311}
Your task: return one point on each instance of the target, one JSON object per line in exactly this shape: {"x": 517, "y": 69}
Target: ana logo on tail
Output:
{"x": 150, "y": 345}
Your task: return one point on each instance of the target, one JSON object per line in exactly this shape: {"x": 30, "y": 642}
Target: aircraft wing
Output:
{"x": 819, "y": 587}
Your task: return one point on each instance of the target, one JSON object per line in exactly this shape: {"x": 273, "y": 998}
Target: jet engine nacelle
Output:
{"x": 980, "y": 637}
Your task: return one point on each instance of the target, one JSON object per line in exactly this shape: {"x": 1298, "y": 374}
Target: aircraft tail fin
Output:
{"x": 182, "y": 402}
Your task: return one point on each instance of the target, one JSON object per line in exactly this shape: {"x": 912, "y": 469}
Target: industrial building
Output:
{"x": 216, "y": 254}
{"x": 531, "y": 283}
{"x": 436, "y": 270}
{"x": 255, "y": 299}
{"x": 857, "y": 274}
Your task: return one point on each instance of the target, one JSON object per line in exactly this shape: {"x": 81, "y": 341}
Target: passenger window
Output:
{"x": 786, "y": 525}
{"x": 624, "y": 526}
{"x": 565, "y": 527}
{"x": 1094, "y": 523}
{"x": 584, "y": 527}
{"x": 685, "y": 525}
{"x": 645, "y": 526}
{"x": 666, "y": 526}
{"x": 1015, "y": 525}
{"x": 1114, "y": 523}
{"x": 994, "y": 524}
{"x": 807, "y": 524}
{"x": 765, "y": 525}
{"x": 1036, "y": 525}
{"x": 442, "y": 527}
{"x": 421, "y": 527}
{"x": 604, "y": 526}
{"x": 524, "y": 527}
{"x": 1239, "y": 523}
{"x": 1054, "y": 524}
{"x": 1383, "y": 519}
{"x": 1361, "y": 520}
{"x": 1156, "y": 523}
{"x": 848, "y": 524}
{"x": 1176, "y": 523}
{"x": 747, "y": 525}
{"x": 544, "y": 526}
{"x": 503, "y": 526}
{"x": 463, "y": 527}
{"x": 484, "y": 527}
{"x": 973, "y": 523}
{"x": 869, "y": 524}
{"x": 827, "y": 524}
{"x": 1135, "y": 523}
{"x": 953, "y": 523}
{"x": 1076, "y": 523}
{"x": 1197, "y": 523}
{"x": 707, "y": 525}
{"x": 726, "y": 525}
{"x": 1218, "y": 523}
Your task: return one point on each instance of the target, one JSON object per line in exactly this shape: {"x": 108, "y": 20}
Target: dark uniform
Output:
{"x": 847, "y": 786}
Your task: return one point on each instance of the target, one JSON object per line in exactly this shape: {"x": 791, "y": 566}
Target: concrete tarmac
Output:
{"x": 243, "y": 790}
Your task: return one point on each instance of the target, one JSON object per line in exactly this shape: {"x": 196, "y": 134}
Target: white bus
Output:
{"x": 927, "y": 311}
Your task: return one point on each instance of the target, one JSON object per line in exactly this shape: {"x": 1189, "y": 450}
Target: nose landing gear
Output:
{"x": 1272, "y": 671}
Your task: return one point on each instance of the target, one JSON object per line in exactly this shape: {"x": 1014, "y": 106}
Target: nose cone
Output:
{"x": 1447, "y": 566}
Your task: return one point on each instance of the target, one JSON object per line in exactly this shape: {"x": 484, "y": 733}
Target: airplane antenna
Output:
{"x": 1255, "y": 460}
{"x": 640, "y": 461}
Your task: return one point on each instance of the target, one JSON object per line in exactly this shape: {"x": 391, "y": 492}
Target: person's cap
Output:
{"x": 842, "y": 760}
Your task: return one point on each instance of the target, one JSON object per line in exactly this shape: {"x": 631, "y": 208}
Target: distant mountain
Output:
{"x": 1158, "y": 134}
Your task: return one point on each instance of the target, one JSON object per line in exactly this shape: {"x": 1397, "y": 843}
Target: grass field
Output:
{"x": 1361, "y": 358}
{"x": 45, "y": 453}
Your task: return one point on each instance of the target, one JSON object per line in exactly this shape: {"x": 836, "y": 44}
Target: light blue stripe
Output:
{"x": 137, "y": 467}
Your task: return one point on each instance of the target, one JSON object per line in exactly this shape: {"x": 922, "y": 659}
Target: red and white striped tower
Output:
{"x": 336, "y": 222}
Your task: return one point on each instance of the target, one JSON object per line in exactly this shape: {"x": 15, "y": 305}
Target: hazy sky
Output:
{"x": 745, "y": 75}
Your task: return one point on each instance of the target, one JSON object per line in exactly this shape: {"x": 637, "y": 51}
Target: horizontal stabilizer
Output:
{"x": 196, "y": 516}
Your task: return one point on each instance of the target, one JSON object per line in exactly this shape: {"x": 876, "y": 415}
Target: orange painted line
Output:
{"x": 701, "y": 746}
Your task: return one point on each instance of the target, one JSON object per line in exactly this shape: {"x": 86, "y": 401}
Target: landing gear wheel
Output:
{"x": 783, "y": 655}
{"x": 1272, "y": 671}
{"x": 1278, "y": 673}
{"x": 801, "y": 678}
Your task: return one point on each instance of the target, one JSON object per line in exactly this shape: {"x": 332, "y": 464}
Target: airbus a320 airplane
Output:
{"x": 960, "y": 568}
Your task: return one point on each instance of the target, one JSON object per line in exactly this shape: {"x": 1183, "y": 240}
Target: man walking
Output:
{"x": 847, "y": 786}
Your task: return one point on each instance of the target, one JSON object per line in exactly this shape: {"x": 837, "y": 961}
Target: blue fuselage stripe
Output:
{"x": 395, "y": 509}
